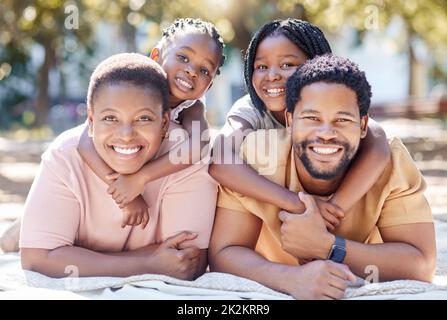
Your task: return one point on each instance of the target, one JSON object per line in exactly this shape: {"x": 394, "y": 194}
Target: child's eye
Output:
{"x": 109, "y": 119}
{"x": 205, "y": 71}
{"x": 287, "y": 65}
{"x": 182, "y": 58}
{"x": 261, "y": 67}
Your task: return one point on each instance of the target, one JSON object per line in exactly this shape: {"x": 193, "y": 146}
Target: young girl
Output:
{"x": 191, "y": 52}
{"x": 273, "y": 55}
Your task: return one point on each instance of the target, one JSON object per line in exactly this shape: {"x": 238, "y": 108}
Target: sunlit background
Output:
{"x": 48, "y": 49}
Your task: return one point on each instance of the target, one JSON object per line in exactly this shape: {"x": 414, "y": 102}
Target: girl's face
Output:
{"x": 190, "y": 62}
{"x": 277, "y": 58}
{"x": 127, "y": 126}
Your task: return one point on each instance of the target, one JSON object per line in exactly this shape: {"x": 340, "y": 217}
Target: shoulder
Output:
{"x": 64, "y": 145}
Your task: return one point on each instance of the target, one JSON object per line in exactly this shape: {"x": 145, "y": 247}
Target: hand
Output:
{"x": 319, "y": 280}
{"x": 305, "y": 235}
{"x": 135, "y": 213}
{"x": 125, "y": 188}
{"x": 331, "y": 213}
{"x": 176, "y": 259}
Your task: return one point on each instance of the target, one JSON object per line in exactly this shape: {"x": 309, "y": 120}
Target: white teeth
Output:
{"x": 126, "y": 151}
{"x": 275, "y": 90}
{"x": 184, "y": 83}
{"x": 325, "y": 150}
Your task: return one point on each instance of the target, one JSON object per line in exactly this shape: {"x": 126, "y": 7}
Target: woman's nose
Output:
{"x": 126, "y": 132}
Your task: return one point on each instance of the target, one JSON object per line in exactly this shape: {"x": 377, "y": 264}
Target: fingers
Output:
{"x": 284, "y": 215}
{"x": 335, "y": 210}
{"x": 342, "y": 271}
{"x": 191, "y": 252}
{"x": 308, "y": 201}
{"x": 174, "y": 241}
{"x": 331, "y": 293}
{"x": 328, "y": 217}
{"x": 112, "y": 176}
{"x": 145, "y": 220}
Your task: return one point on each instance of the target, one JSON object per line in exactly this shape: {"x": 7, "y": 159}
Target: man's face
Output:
{"x": 326, "y": 129}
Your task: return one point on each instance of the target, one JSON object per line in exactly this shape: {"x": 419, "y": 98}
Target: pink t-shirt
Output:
{"x": 68, "y": 205}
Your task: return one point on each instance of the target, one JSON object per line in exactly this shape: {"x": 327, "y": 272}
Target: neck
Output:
{"x": 173, "y": 102}
{"x": 315, "y": 186}
{"x": 280, "y": 116}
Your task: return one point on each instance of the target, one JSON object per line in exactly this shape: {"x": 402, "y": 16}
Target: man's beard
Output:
{"x": 301, "y": 150}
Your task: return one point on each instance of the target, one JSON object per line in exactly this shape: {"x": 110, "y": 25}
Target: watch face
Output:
{"x": 338, "y": 254}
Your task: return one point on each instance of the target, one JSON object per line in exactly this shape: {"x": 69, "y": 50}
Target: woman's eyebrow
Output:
{"x": 281, "y": 56}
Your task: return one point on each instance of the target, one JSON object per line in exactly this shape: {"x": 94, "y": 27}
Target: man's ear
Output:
{"x": 90, "y": 122}
{"x": 289, "y": 118}
{"x": 364, "y": 126}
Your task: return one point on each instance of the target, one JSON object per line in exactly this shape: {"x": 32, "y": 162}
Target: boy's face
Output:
{"x": 190, "y": 61}
{"x": 277, "y": 58}
{"x": 326, "y": 129}
{"x": 127, "y": 126}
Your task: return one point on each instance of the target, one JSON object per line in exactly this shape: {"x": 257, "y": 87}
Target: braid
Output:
{"x": 306, "y": 36}
{"x": 199, "y": 25}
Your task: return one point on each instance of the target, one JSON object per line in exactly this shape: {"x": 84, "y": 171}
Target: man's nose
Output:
{"x": 327, "y": 132}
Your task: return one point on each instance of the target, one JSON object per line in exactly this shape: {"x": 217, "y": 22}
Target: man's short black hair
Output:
{"x": 132, "y": 68}
{"x": 330, "y": 69}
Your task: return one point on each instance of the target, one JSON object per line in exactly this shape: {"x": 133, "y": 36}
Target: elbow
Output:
{"x": 426, "y": 270}
{"x": 33, "y": 259}
{"x": 213, "y": 170}
{"x": 215, "y": 259}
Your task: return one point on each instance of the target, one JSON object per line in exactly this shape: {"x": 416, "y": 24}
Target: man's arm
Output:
{"x": 232, "y": 251}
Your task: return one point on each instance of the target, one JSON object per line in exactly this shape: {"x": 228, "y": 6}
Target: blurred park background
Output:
{"x": 48, "y": 48}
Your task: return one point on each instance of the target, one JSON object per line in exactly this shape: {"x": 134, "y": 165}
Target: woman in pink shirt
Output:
{"x": 71, "y": 221}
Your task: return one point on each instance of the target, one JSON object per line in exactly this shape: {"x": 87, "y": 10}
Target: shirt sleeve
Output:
{"x": 243, "y": 108}
{"x": 189, "y": 204}
{"x": 405, "y": 202}
{"x": 230, "y": 199}
{"x": 52, "y": 212}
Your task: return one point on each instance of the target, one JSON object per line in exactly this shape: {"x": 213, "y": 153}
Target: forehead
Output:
{"x": 126, "y": 97}
{"x": 203, "y": 44}
{"x": 328, "y": 99}
{"x": 278, "y": 45}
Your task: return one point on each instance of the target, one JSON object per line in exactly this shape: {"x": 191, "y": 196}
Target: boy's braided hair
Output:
{"x": 306, "y": 36}
{"x": 199, "y": 25}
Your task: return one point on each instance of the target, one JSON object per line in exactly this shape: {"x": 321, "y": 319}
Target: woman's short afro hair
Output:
{"x": 132, "y": 68}
{"x": 330, "y": 69}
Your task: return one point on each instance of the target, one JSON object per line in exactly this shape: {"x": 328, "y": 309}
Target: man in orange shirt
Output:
{"x": 390, "y": 228}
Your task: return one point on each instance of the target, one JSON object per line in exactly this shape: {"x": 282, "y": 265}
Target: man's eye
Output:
{"x": 205, "y": 71}
{"x": 182, "y": 58}
{"x": 144, "y": 118}
{"x": 311, "y": 118}
{"x": 343, "y": 120}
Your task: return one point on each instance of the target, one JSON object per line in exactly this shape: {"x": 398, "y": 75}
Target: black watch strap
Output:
{"x": 338, "y": 250}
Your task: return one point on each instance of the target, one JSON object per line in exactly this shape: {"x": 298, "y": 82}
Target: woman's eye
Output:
{"x": 109, "y": 119}
{"x": 205, "y": 71}
{"x": 182, "y": 58}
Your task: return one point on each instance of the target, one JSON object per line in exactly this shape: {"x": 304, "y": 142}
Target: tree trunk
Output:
{"x": 43, "y": 99}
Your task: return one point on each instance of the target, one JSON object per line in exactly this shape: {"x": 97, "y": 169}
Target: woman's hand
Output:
{"x": 135, "y": 213}
{"x": 176, "y": 258}
{"x": 125, "y": 188}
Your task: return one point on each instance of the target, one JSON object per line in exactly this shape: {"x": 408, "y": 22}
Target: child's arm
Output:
{"x": 127, "y": 187}
{"x": 241, "y": 177}
{"x": 136, "y": 211}
{"x": 373, "y": 156}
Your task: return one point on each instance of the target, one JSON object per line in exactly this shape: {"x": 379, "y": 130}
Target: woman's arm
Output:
{"x": 165, "y": 258}
{"x": 373, "y": 156}
{"x": 233, "y": 173}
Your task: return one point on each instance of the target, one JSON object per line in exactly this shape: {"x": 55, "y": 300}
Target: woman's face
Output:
{"x": 127, "y": 125}
{"x": 277, "y": 58}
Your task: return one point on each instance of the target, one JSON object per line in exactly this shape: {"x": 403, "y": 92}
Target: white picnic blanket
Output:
{"x": 18, "y": 284}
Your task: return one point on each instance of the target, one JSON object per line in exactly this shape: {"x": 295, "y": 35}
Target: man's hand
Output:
{"x": 125, "y": 188}
{"x": 319, "y": 280}
{"x": 331, "y": 213}
{"x": 177, "y": 259}
{"x": 305, "y": 235}
{"x": 135, "y": 213}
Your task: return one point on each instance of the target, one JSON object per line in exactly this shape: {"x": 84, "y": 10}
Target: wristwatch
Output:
{"x": 338, "y": 250}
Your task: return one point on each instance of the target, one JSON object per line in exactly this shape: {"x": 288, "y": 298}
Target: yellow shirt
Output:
{"x": 396, "y": 198}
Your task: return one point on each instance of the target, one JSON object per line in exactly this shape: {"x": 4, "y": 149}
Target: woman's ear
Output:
{"x": 364, "y": 126}
{"x": 90, "y": 122}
